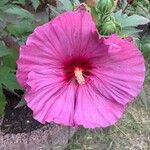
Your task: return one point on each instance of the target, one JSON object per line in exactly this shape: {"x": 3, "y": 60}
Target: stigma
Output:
{"x": 79, "y": 76}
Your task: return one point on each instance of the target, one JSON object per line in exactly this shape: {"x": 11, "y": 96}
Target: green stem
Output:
{"x": 13, "y": 92}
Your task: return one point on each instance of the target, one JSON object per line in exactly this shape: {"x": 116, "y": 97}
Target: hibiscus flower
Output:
{"x": 72, "y": 76}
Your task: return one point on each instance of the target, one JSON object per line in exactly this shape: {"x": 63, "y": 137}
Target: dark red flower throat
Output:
{"x": 78, "y": 70}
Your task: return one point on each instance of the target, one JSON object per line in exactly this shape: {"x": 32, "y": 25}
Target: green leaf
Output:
{"x": 131, "y": 31}
{"x": 4, "y": 51}
{"x": 19, "y": 29}
{"x": 1, "y": 90}
{"x": 2, "y": 104}
{"x": 10, "y": 59}
{"x": 3, "y": 2}
{"x": 55, "y": 11}
{"x": 1, "y": 19}
{"x": 130, "y": 21}
{"x": 94, "y": 14}
{"x": 123, "y": 3}
{"x": 63, "y": 5}
{"x": 135, "y": 20}
{"x": 141, "y": 8}
{"x": 144, "y": 45}
{"x": 8, "y": 78}
{"x": 22, "y": 13}
{"x": 66, "y": 4}
{"x": 22, "y": 2}
{"x": 35, "y": 3}
{"x": 75, "y": 2}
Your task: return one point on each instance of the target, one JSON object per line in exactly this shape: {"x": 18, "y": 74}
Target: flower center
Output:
{"x": 77, "y": 69}
{"x": 78, "y": 72}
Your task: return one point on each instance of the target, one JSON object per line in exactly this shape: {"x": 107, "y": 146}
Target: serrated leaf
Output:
{"x": 136, "y": 20}
{"x": 4, "y": 51}
{"x": 130, "y": 21}
{"x": 22, "y": 13}
{"x": 131, "y": 31}
{"x": 2, "y": 104}
{"x": 35, "y": 3}
{"x": 8, "y": 78}
{"x": 21, "y": 103}
{"x": 144, "y": 98}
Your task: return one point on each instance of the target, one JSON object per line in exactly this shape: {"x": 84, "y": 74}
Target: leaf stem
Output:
{"x": 13, "y": 92}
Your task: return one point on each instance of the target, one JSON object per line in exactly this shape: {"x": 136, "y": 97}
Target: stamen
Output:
{"x": 79, "y": 76}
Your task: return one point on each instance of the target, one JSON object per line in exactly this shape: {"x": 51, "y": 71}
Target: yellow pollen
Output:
{"x": 79, "y": 76}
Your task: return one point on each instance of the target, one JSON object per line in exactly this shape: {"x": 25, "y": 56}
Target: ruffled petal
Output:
{"x": 50, "y": 98}
{"x": 68, "y": 33}
{"x": 33, "y": 58}
{"x": 93, "y": 110}
{"x": 119, "y": 74}
{"x": 50, "y": 45}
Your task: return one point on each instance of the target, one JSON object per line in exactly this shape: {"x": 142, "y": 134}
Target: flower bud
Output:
{"x": 105, "y": 6}
{"x": 108, "y": 28}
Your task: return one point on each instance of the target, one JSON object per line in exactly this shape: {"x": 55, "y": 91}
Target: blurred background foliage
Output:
{"x": 18, "y": 18}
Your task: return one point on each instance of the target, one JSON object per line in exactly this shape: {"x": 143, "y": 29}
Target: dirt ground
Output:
{"x": 132, "y": 132}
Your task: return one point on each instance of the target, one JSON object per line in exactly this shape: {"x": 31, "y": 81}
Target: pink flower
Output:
{"x": 74, "y": 77}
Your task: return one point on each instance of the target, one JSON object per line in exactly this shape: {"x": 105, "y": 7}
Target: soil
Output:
{"x": 20, "y": 131}
{"x": 17, "y": 120}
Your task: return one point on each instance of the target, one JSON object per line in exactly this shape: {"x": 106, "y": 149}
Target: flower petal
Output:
{"x": 67, "y": 33}
{"x": 92, "y": 110}
{"x": 51, "y": 44}
{"x": 50, "y": 98}
{"x": 53, "y": 100}
{"x": 119, "y": 75}
{"x": 33, "y": 58}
